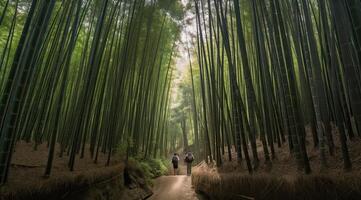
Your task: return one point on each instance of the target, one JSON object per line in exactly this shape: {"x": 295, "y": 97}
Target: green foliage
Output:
{"x": 158, "y": 166}
{"x": 145, "y": 168}
{"x": 173, "y": 7}
{"x": 151, "y": 168}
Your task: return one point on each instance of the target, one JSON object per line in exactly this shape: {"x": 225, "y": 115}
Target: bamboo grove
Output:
{"x": 269, "y": 69}
{"x": 86, "y": 76}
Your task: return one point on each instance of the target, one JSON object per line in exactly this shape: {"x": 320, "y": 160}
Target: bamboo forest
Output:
{"x": 180, "y": 99}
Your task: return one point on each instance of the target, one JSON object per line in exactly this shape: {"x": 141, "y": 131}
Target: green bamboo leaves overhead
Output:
{"x": 86, "y": 76}
{"x": 282, "y": 66}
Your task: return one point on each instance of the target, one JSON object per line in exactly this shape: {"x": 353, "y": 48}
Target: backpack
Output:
{"x": 174, "y": 159}
{"x": 189, "y": 158}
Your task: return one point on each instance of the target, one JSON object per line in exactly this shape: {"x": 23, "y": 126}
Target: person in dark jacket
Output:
{"x": 189, "y": 159}
{"x": 175, "y": 160}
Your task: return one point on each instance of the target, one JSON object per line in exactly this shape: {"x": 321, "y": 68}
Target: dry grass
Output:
{"x": 283, "y": 180}
{"x": 61, "y": 187}
{"x": 26, "y": 179}
{"x": 270, "y": 187}
{"x": 28, "y": 166}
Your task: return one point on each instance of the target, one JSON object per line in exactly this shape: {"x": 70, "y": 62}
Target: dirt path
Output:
{"x": 175, "y": 188}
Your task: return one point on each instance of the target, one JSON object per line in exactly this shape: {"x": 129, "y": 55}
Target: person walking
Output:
{"x": 175, "y": 160}
{"x": 189, "y": 159}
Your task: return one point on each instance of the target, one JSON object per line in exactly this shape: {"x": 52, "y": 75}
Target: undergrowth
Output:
{"x": 151, "y": 168}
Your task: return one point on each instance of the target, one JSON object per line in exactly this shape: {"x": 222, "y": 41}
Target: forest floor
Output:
{"x": 285, "y": 165}
{"x": 28, "y": 166}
